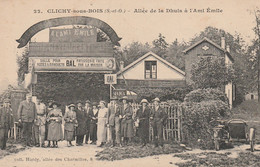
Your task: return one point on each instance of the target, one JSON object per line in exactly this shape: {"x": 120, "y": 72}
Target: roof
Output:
{"x": 154, "y": 55}
{"x": 212, "y": 43}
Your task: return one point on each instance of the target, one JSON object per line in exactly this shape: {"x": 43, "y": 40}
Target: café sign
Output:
{"x": 72, "y": 64}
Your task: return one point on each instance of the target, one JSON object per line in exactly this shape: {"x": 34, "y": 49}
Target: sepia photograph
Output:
{"x": 171, "y": 83}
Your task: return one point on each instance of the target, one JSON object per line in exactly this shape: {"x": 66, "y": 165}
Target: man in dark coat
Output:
{"x": 82, "y": 123}
{"x": 93, "y": 115}
{"x": 27, "y": 115}
{"x": 158, "y": 117}
{"x": 142, "y": 116}
{"x": 87, "y": 109}
{"x": 5, "y": 122}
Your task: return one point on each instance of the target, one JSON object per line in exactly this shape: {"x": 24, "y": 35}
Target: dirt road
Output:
{"x": 85, "y": 156}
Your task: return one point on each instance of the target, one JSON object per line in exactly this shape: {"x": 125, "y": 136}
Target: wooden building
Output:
{"x": 204, "y": 48}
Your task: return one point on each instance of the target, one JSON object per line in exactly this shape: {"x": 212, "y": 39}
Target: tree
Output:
{"x": 211, "y": 72}
{"x": 160, "y": 46}
{"x": 22, "y": 62}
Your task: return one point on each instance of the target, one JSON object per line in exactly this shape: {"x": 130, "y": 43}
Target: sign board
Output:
{"x": 73, "y": 35}
{"x": 72, "y": 64}
{"x": 118, "y": 93}
{"x": 69, "y": 48}
{"x": 110, "y": 78}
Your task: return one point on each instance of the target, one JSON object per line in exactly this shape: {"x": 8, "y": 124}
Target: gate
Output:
{"x": 172, "y": 130}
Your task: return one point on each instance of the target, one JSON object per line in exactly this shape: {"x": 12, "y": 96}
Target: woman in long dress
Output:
{"x": 93, "y": 123}
{"x": 101, "y": 125}
{"x": 70, "y": 122}
{"x": 54, "y": 118}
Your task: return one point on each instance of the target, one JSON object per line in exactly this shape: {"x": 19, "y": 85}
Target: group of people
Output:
{"x": 101, "y": 123}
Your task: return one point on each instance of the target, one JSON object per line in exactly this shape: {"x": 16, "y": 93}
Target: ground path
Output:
{"x": 85, "y": 156}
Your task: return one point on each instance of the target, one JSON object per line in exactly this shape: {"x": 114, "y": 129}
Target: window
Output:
{"x": 150, "y": 70}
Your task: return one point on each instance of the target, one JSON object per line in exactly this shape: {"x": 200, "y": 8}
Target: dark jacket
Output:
{"x": 92, "y": 115}
{"x": 126, "y": 114}
{"x": 27, "y": 111}
{"x": 5, "y": 117}
{"x": 82, "y": 122}
{"x": 159, "y": 116}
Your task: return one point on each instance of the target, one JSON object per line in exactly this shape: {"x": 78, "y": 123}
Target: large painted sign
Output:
{"x": 73, "y": 20}
{"x": 73, "y": 35}
{"x": 71, "y": 49}
{"x": 72, "y": 64}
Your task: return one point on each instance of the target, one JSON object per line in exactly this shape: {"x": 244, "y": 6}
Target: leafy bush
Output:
{"x": 197, "y": 117}
{"x": 208, "y": 94}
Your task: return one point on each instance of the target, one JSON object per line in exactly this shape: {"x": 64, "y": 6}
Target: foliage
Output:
{"x": 208, "y": 94}
{"x": 120, "y": 153}
{"x": 22, "y": 62}
{"x": 197, "y": 129}
{"x": 160, "y": 46}
{"x": 70, "y": 87}
{"x": 219, "y": 159}
{"x": 211, "y": 72}
{"x": 163, "y": 93}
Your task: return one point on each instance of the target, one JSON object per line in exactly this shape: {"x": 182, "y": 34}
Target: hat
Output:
{"x": 79, "y": 101}
{"x": 156, "y": 99}
{"x": 144, "y": 101}
{"x": 124, "y": 98}
{"x": 6, "y": 100}
{"x": 95, "y": 104}
{"x": 54, "y": 103}
{"x": 71, "y": 105}
{"x": 102, "y": 101}
{"x": 87, "y": 101}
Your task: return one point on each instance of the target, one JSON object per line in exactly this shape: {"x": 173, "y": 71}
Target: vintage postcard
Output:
{"x": 130, "y": 83}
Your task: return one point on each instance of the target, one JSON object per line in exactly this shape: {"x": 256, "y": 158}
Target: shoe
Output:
{"x": 37, "y": 145}
{"x": 143, "y": 145}
{"x": 43, "y": 146}
{"x": 56, "y": 146}
{"x": 29, "y": 145}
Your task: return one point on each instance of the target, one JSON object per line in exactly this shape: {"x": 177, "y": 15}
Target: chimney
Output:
{"x": 228, "y": 48}
{"x": 121, "y": 65}
{"x": 223, "y": 43}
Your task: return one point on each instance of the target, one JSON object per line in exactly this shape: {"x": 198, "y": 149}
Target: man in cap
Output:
{"x": 88, "y": 109}
{"x": 5, "y": 122}
{"x": 113, "y": 122}
{"x": 27, "y": 115}
{"x": 158, "y": 117}
{"x": 39, "y": 124}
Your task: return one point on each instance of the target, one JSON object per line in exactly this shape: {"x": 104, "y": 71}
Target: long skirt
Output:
{"x": 101, "y": 130}
{"x": 69, "y": 135}
{"x": 55, "y": 131}
{"x": 127, "y": 128}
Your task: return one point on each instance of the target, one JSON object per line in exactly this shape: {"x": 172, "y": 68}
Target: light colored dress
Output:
{"x": 101, "y": 125}
{"x": 54, "y": 127}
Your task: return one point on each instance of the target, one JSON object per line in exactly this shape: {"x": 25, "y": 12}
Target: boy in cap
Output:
{"x": 5, "y": 122}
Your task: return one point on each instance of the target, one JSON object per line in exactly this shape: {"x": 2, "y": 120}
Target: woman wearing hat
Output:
{"x": 101, "y": 124}
{"x": 127, "y": 122}
{"x": 93, "y": 123}
{"x": 70, "y": 123}
{"x": 54, "y": 118}
{"x": 142, "y": 116}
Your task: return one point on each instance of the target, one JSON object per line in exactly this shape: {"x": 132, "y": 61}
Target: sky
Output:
{"x": 17, "y": 16}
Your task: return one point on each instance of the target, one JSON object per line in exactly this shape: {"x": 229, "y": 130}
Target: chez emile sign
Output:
{"x": 71, "y": 49}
